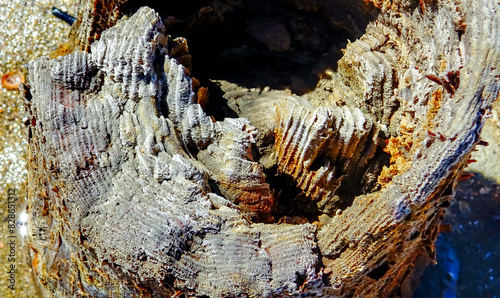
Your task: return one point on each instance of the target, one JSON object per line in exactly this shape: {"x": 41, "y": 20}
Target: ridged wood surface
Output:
{"x": 135, "y": 191}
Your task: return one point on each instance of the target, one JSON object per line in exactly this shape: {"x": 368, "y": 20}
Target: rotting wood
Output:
{"x": 135, "y": 190}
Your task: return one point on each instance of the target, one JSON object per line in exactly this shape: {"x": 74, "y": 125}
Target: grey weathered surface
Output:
{"x": 123, "y": 162}
{"x": 117, "y": 187}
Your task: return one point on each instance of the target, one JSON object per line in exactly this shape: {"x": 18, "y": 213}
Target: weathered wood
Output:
{"x": 135, "y": 190}
{"x": 93, "y": 18}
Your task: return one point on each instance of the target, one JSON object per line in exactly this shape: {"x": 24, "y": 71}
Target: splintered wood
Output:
{"x": 134, "y": 190}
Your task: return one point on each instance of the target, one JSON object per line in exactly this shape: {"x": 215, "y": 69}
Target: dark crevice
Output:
{"x": 380, "y": 271}
{"x": 217, "y": 106}
{"x": 445, "y": 204}
{"x": 414, "y": 235}
{"x": 449, "y": 190}
{"x": 321, "y": 160}
{"x": 214, "y": 187}
{"x": 161, "y": 105}
{"x": 286, "y": 194}
{"x": 255, "y": 153}
{"x": 82, "y": 238}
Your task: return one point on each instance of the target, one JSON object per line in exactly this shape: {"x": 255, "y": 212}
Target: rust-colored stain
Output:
{"x": 434, "y": 105}
{"x": 398, "y": 147}
{"x": 202, "y": 97}
{"x": 62, "y": 50}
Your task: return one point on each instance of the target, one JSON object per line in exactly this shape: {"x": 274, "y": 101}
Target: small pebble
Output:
{"x": 12, "y": 79}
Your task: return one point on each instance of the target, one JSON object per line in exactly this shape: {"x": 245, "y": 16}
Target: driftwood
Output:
{"x": 134, "y": 190}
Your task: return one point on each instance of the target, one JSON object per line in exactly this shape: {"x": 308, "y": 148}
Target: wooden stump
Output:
{"x": 138, "y": 188}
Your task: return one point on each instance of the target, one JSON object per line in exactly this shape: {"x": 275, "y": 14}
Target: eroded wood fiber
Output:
{"x": 135, "y": 191}
{"x": 321, "y": 148}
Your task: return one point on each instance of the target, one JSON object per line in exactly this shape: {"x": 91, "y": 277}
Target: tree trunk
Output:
{"x": 142, "y": 185}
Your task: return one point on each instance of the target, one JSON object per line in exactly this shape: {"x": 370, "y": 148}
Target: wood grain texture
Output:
{"x": 93, "y": 17}
{"x": 135, "y": 191}
{"x": 321, "y": 148}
